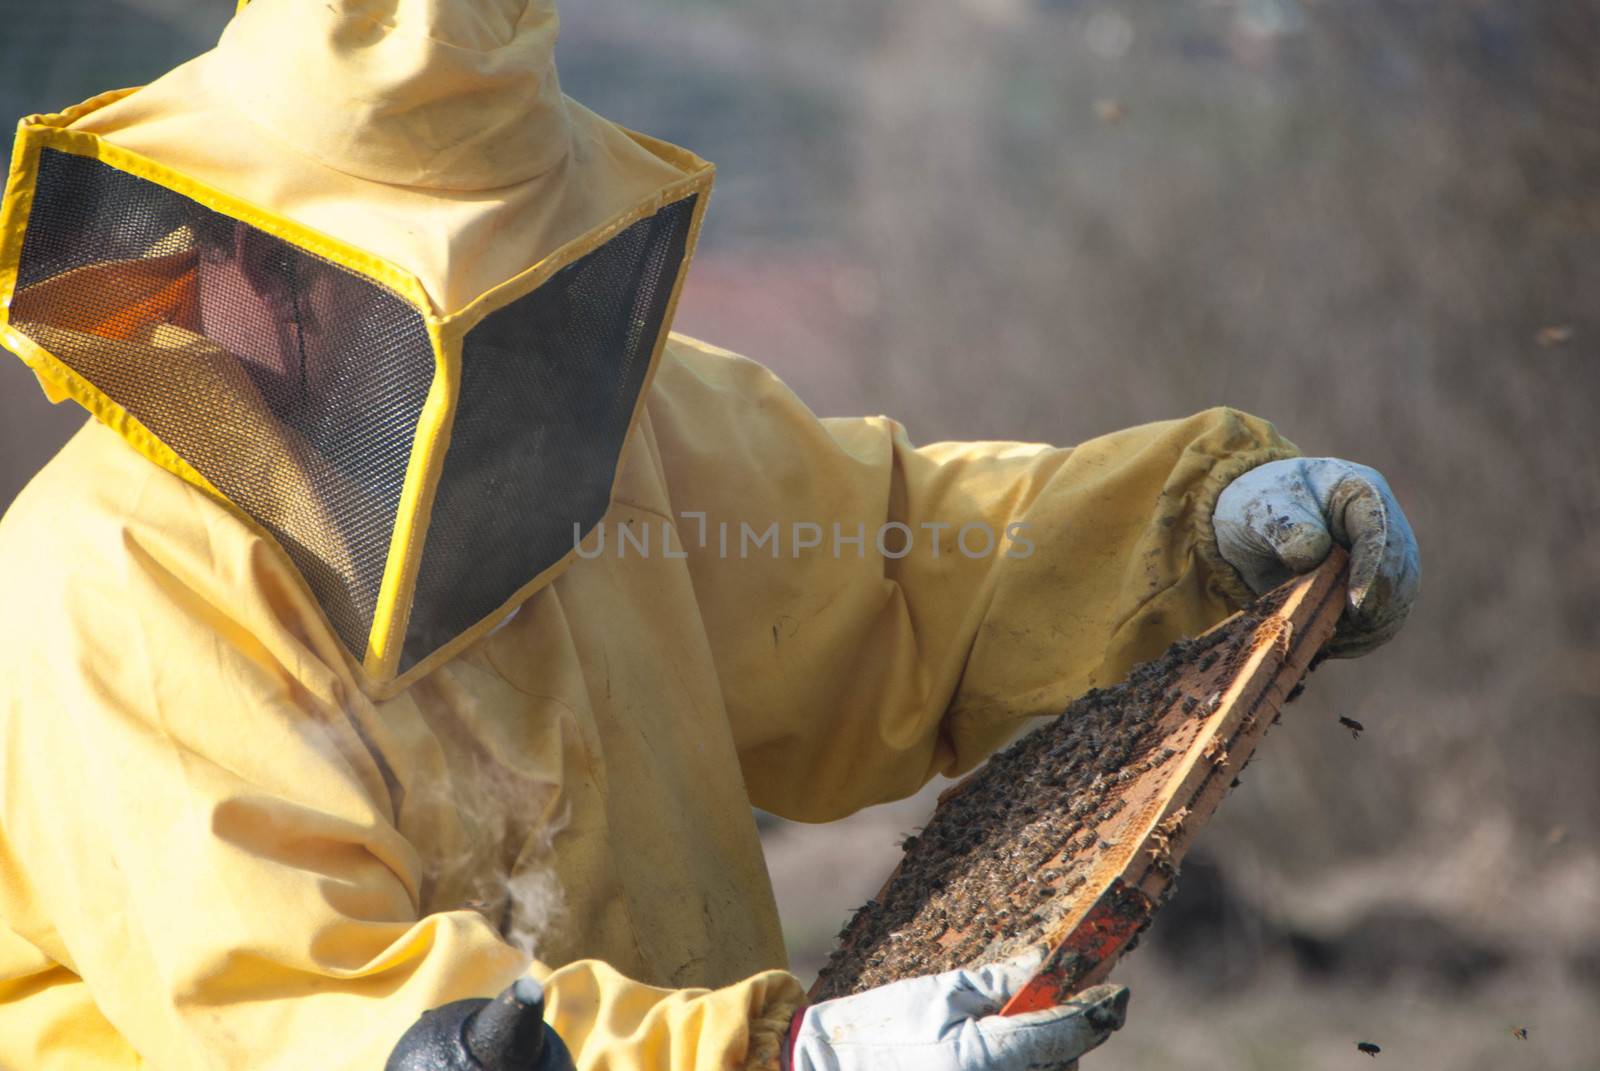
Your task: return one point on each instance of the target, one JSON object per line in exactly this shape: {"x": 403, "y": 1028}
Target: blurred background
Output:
{"x": 1376, "y": 223}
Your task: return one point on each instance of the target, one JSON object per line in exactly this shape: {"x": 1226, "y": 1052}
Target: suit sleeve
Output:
{"x": 995, "y": 581}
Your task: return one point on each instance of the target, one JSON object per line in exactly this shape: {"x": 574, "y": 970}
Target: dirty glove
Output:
{"x": 946, "y": 1022}
{"x": 1282, "y": 518}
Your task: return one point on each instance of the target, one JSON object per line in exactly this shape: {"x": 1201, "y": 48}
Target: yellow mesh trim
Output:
{"x": 416, "y": 507}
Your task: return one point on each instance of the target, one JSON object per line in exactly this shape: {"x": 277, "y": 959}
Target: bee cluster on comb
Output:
{"x": 1071, "y": 838}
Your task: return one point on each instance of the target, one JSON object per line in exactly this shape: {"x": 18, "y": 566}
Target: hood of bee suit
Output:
{"x": 363, "y": 272}
{"x": 432, "y": 133}
{"x": 448, "y": 96}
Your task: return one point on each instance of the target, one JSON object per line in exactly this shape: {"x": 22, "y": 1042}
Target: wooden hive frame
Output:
{"x": 1215, "y": 713}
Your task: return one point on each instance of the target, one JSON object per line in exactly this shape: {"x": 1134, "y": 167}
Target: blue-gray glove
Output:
{"x": 1281, "y": 519}
{"x": 947, "y": 1022}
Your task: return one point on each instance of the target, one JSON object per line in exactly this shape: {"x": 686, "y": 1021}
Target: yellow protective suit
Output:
{"x": 216, "y": 852}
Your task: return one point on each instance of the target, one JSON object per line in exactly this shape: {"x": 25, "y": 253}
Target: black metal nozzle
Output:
{"x": 508, "y": 1032}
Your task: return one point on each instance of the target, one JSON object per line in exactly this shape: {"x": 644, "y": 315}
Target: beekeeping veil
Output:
{"x": 363, "y": 273}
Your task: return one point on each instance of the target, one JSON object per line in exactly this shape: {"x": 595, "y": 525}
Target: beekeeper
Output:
{"x": 417, "y": 615}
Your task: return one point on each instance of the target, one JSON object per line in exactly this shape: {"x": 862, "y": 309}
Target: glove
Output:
{"x": 946, "y": 1022}
{"x": 1282, "y": 518}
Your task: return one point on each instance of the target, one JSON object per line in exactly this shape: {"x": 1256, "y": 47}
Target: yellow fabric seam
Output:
{"x": 68, "y": 116}
{"x": 676, "y": 155}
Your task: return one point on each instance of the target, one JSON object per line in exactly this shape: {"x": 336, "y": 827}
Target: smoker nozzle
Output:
{"x": 508, "y": 1032}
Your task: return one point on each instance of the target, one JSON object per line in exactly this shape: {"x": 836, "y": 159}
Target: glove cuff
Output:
{"x": 1221, "y": 576}
{"x": 771, "y": 1033}
{"x": 786, "y": 1048}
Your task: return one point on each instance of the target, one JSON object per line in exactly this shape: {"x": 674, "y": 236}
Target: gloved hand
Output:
{"x": 1281, "y": 519}
{"x": 946, "y": 1022}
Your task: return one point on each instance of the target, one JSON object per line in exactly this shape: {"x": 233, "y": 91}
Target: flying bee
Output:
{"x": 1355, "y": 727}
{"x": 1369, "y": 1048}
{"x": 1520, "y": 1033}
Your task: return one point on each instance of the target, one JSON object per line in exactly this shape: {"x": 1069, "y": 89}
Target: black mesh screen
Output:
{"x": 548, "y": 386}
{"x": 290, "y": 383}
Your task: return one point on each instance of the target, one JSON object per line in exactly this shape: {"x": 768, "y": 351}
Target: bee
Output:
{"x": 1354, "y": 726}
{"x": 1284, "y": 640}
{"x": 1369, "y": 1048}
{"x": 1520, "y": 1033}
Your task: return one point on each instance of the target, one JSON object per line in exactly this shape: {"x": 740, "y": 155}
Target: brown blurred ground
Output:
{"x": 1377, "y": 224}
